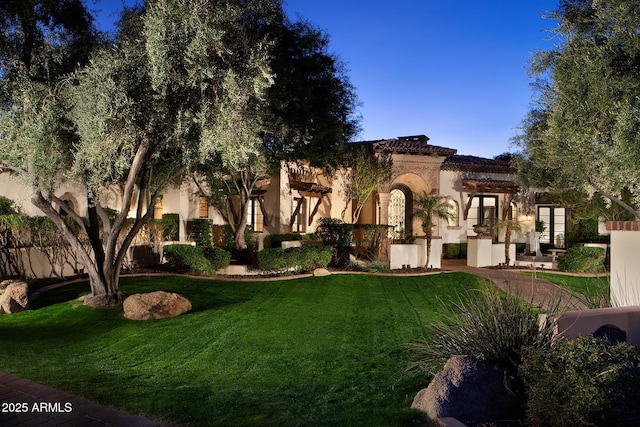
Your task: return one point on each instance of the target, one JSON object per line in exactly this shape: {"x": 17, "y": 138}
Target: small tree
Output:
{"x": 430, "y": 209}
{"x": 365, "y": 172}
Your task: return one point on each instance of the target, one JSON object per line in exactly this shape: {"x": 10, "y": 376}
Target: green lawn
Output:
{"x": 315, "y": 351}
{"x": 593, "y": 288}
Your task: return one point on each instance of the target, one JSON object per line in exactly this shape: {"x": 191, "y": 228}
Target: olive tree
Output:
{"x": 583, "y": 131}
{"x": 134, "y": 118}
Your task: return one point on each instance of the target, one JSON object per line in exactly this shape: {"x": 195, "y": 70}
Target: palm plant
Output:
{"x": 430, "y": 209}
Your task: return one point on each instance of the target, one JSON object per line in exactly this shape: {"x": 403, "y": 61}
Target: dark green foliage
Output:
{"x": 197, "y": 260}
{"x": 171, "y": 223}
{"x": 582, "y": 259}
{"x": 338, "y": 235}
{"x": 217, "y": 257}
{"x": 6, "y": 206}
{"x": 200, "y": 230}
{"x": 454, "y": 250}
{"x": 300, "y": 259}
{"x": 588, "y": 381}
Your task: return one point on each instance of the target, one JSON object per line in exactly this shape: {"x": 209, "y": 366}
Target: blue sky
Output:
{"x": 452, "y": 70}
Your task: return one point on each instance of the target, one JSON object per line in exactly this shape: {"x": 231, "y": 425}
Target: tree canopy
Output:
{"x": 583, "y": 130}
{"x": 184, "y": 83}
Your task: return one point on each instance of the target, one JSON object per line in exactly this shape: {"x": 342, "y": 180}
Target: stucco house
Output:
{"x": 480, "y": 190}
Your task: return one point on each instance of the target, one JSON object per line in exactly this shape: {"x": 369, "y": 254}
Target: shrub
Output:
{"x": 488, "y": 326}
{"x": 582, "y": 259}
{"x": 588, "y": 381}
{"x": 299, "y": 259}
{"x": 202, "y": 261}
{"x": 218, "y": 257}
{"x": 454, "y": 250}
{"x": 7, "y": 206}
{"x": 200, "y": 230}
{"x": 338, "y": 235}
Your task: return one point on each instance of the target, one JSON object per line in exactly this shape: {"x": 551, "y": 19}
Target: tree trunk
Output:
{"x": 428, "y": 236}
{"x": 507, "y": 244}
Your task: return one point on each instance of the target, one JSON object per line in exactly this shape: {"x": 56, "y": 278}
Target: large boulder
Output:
{"x": 472, "y": 391}
{"x": 155, "y": 305}
{"x": 14, "y": 296}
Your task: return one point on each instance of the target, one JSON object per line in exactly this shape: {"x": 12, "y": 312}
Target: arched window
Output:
{"x": 454, "y": 209}
{"x": 397, "y": 213}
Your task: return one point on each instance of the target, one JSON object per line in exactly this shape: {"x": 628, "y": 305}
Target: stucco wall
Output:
{"x": 625, "y": 265}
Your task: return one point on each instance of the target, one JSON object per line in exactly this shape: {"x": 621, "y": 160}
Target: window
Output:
{"x": 204, "y": 207}
{"x": 555, "y": 225}
{"x": 254, "y": 215}
{"x": 397, "y": 214}
{"x": 454, "y": 209}
{"x": 483, "y": 210}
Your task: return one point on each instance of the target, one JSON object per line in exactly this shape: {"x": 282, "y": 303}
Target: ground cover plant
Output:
{"x": 315, "y": 351}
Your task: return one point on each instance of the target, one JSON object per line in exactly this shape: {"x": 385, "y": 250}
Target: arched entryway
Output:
{"x": 400, "y": 211}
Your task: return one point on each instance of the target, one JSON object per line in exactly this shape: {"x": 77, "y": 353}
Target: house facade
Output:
{"x": 480, "y": 191}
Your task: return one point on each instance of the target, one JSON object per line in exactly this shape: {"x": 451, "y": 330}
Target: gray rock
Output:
{"x": 469, "y": 390}
{"x": 14, "y": 296}
{"x": 155, "y": 305}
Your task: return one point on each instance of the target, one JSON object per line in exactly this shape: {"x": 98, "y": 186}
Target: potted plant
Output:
{"x": 480, "y": 229}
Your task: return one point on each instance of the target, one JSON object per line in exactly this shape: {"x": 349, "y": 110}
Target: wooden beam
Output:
{"x": 315, "y": 209}
{"x": 467, "y": 206}
{"x": 299, "y": 201}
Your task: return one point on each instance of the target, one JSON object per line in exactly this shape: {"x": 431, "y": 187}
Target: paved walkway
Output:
{"x": 25, "y": 403}
{"x": 537, "y": 291}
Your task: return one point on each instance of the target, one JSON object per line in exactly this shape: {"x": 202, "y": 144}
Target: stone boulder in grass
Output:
{"x": 14, "y": 296}
{"x": 471, "y": 391}
{"x": 155, "y": 305}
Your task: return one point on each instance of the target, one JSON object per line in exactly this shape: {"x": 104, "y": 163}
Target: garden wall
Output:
{"x": 625, "y": 265}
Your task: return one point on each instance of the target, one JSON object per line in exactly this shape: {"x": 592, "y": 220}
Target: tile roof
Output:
{"x": 416, "y": 144}
{"x": 476, "y": 164}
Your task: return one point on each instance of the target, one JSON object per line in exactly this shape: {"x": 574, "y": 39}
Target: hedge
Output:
{"x": 582, "y": 259}
{"x": 201, "y": 261}
{"x": 300, "y": 259}
{"x": 200, "y": 229}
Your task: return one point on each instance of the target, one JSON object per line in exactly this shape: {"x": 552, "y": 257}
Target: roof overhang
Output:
{"x": 489, "y": 186}
{"x": 309, "y": 189}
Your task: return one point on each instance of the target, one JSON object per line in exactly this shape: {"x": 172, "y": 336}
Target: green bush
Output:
{"x": 6, "y": 206}
{"x": 197, "y": 260}
{"x": 454, "y": 250}
{"x": 200, "y": 230}
{"x": 218, "y": 257}
{"x": 582, "y": 259}
{"x": 588, "y": 381}
{"x": 304, "y": 258}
